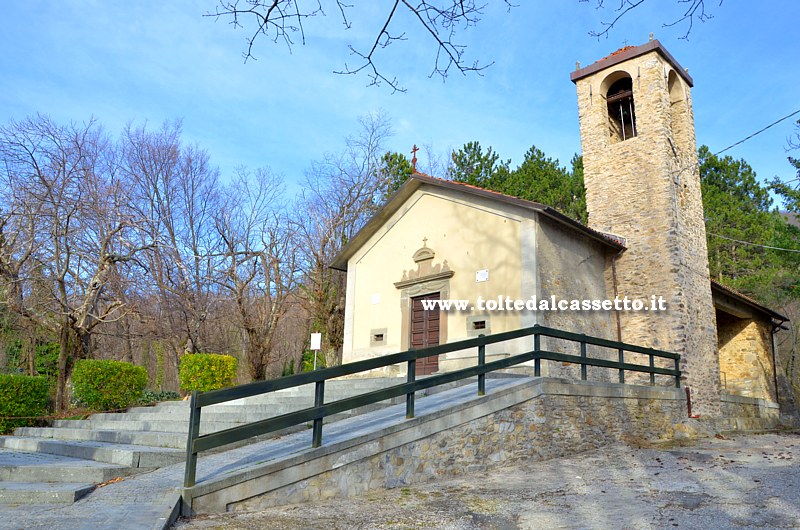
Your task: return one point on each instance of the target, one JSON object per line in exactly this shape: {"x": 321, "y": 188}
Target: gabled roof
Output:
{"x": 629, "y": 52}
{"x": 718, "y": 288}
{"x": 418, "y": 180}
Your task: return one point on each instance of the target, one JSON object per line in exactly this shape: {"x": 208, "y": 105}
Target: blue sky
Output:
{"x": 153, "y": 61}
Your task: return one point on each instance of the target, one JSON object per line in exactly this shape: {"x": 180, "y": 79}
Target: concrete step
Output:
{"x": 266, "y": 400}
{"x": 42, "y": 492}
{"x": 215, "y": 414}
{"x": 158, "y": 424}
{"x": 149, "y": 425}
{"x": 175, "y": 440}
{"x": 20, "y": 466}
{"x": 136, "y": 456}
{"x": 220, "y": 411}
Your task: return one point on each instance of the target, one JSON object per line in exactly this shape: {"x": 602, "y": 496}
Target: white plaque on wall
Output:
{"x": 482, "y": 275}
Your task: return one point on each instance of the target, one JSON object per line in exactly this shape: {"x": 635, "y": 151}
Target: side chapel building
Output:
{"x": 438, "y": 239}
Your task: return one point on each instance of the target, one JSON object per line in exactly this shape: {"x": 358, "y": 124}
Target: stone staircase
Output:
{"x": 61, "y": 463}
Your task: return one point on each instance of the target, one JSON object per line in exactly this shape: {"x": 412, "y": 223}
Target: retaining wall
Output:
{"x": 534, "y": 419}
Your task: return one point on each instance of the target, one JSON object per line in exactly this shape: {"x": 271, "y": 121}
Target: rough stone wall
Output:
{"x": 742, "y": 407}
{"x": 545, "y": 427}
{"x": 745, "y": 358}
{"x": 572, "y": 268}
{"x": 647, "y": 190}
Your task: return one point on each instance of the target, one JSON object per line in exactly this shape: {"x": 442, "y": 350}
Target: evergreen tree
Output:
{"x": 471, "y": 165}
{"x": 741, "y": 225}
{"x": 395, "y": 169}
{"x": 542, "y": 179}
{"x": 538, "y": 178}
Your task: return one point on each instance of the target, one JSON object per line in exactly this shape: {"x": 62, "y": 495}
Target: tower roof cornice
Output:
{"x": 627, "y": 53}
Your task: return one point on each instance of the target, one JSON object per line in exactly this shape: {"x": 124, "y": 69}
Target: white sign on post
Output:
{"x": 316, "y": 344}
{"x": 316, "y": 341}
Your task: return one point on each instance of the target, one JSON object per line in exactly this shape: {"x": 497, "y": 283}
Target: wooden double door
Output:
{"x": 425, "y": 327}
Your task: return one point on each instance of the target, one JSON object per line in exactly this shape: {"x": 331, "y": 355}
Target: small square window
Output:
{"x": 377, "y": 337}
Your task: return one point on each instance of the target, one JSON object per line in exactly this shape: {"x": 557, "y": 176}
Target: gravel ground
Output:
{"x": 748, "y": 481}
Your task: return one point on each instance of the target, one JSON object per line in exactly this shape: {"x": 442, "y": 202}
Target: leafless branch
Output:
{"x": 694, "y": 10}
{"x": 440, "y": 20}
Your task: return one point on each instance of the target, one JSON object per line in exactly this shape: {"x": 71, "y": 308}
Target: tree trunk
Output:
{"x": 255, "y": 361}
{"x": 65, "y": 347}
{"x": 28, "y": 354}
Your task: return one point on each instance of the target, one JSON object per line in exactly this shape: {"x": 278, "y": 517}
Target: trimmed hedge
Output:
{"x": 22, "y": 395}
{"x": 207, "y": 371}
{"x": 107, "y": 385}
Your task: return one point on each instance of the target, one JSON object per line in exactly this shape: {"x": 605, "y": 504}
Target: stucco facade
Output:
{"x": 470, "y": 245}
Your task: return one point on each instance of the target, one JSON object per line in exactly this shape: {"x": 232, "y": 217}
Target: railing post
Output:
{"x": 677, "y": 373}
{"x": 481, "y": 362}
{"x": 621, "y": 362}
{"x": 319, "y": 400}
{"x": 537, "y": 363}
{"x": 190, "y": 471}
{"x": 652, "y": 375}
{"x": 583, "y": 357}
{"x": 412, "y": 375}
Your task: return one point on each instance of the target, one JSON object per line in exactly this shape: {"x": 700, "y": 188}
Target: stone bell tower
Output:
{"x": 643, "y": 184}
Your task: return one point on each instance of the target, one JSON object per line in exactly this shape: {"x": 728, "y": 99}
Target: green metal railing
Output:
{"x": 197, "y": 443}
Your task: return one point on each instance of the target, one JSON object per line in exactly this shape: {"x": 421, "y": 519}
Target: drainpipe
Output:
{"x": 616, "y": 291}
{"x": 775, "y": 329}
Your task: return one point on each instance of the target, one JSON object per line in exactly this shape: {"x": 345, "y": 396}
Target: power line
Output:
{"x": 753, "y": 244}
{"x": 758, "y": 132}
{"x": 696, "y": 165}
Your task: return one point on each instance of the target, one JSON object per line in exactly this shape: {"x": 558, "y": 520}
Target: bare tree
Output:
{"x": 438, "y": 20}
{"x": 259, "y": 262}
{"x": 340, "y": 194}
{"x": 687, "y": 12}
{"x": 176, "y": 195}
{"x": 70, "y": 206}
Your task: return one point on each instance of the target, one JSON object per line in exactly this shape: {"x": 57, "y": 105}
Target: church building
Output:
{"x": 440, "y": 241}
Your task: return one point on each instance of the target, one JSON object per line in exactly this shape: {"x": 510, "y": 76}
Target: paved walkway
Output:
{"x": 744, "y": 482}
{"x": 146, "y": 501}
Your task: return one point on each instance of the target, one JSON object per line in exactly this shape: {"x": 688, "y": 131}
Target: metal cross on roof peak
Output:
{"x": 414, "y": 158}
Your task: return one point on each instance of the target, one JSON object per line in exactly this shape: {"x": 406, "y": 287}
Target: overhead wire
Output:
{"x": 754, "y": 244}
{"x": 746, "y": 138}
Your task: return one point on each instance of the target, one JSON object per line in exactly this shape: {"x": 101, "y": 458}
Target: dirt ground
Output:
{"x": 748, "y": 481}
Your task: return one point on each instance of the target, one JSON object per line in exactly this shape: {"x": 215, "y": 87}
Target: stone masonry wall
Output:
{"x": 547, "y": 426}
{"x": 745, "y": 358}
{"x": 573, "y": 268}
{"x": 647, "y": 190}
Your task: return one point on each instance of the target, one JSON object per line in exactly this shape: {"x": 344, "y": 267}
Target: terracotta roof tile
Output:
{"x": 621, "y": 50}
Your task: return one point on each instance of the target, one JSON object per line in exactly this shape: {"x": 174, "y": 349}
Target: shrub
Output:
{"x": 107, "y": 385}
{"x": 22, "y": 395}
{"x": 307, "y": 361}
{"x": 207, "y": 371}
{"x": 288, "y": 367}
{"x": 46, "y": 358}
{"x": 151, "y": 396}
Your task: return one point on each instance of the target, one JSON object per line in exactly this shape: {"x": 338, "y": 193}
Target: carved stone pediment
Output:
{"x": 426, "y": 270}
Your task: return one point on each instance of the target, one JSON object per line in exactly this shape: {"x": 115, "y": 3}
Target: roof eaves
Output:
{"x": 747, "y": 300}
{"x": 630, "y": 52}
